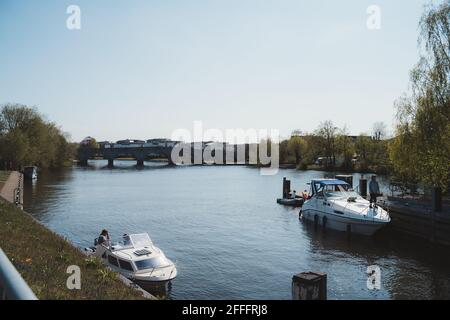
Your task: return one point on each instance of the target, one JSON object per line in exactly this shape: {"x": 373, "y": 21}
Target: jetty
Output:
{"x": 423, "y": 213}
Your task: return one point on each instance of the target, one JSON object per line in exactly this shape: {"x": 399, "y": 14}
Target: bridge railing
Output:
{"x": 12, "y": 285}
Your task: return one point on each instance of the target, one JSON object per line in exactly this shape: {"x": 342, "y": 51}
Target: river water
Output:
{"x": 228, "y": 236}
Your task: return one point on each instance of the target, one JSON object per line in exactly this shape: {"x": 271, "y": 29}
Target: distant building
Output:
{"x": 102, "y": 144}
{"x": 130, "y": 141}
{"x": 161, "y": 142}
{"x": 87, "y": 141}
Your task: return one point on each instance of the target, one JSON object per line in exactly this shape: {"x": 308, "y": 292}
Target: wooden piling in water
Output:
{"x": 436, "y": 199}
{"x": 286, "y": 188}
{"x": 363, "y": 187}
{"x": 309, "y": 286}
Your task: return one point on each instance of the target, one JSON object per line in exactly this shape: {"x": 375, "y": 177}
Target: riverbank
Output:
{"x": 42, "y": 258}
{"x": 332, "y": 169}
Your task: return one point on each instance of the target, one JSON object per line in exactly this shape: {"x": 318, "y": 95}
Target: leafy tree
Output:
{"x": 346, "y": 148}
{"x": 297, "y": 147}
{"x": 423, "y": 116}
{"x": 13, "y": 146}
{"x": 403, "y": 154}
{"x": 327, "y": 131}
{"x": 379, "y": 131}
{"x": 93, "y": 144}
{"x": 363, "y": 147}
{"x": 284, "y": 152}
{"x": 26, "y": 138}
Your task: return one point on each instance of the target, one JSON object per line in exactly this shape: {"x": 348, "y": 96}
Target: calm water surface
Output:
{"x": 227, "y": 234}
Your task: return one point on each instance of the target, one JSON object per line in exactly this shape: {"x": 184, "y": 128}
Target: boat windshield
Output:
{"x": 140, "y": 240}
{"x": 156, "y": 262}
{"x": 339, "y": 190}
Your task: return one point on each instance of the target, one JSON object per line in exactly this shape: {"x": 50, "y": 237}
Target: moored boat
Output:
{"x": 334, "y": 205}
{"x": 136, "y": 258}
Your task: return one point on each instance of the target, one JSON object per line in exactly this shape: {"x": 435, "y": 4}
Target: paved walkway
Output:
{"x": 10, "y": 185}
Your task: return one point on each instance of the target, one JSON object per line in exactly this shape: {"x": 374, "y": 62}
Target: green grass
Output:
{"x": 42, "y": 258}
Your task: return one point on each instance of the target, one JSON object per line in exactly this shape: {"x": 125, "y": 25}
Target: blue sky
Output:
{"x": 141, "y": 69}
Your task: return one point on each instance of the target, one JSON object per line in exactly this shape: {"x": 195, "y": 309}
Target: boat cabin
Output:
{"x": 328, "y": 187}
{"x": 136, "y": 253}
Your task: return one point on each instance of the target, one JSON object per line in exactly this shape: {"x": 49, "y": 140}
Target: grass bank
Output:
{"x": 42, "y": 258}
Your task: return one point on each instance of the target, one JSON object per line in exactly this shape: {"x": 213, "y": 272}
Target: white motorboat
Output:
{"x": 136, "y": 258}
{"x": 334, "y": 205}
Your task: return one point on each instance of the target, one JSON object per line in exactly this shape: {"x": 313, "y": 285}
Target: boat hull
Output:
{"x": 344, "y": 224}
{"x": 164, "y": 276}
{"x": 290, "y": 202}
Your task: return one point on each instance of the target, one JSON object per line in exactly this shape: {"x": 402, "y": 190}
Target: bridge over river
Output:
{"x": 199, "y": 153}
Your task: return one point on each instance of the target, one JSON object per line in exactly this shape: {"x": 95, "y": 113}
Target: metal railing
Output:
{"x": 401, "y": 189}
{"x": 12, "y": 285}
{"x": 17, "y": 196}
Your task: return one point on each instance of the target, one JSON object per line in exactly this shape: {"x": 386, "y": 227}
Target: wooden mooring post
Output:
{"x": 436, "y": 198}
{"x": 436, "y": 207}
{"x": 363, "y": 186}
{"x": 286, "y": 188}
{"x": 309, "y": 286}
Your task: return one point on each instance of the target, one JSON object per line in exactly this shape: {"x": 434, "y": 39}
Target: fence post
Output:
{"x": 363, "y": 187}
{"x": 436, "y": 198}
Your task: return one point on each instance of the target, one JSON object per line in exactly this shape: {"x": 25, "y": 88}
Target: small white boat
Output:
{"x": 136, "y": 258}
{"x": 333, "y": 205}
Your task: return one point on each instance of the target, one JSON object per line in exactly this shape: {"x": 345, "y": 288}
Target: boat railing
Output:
{"x": 418, "y": 195}
{"x": 413, "y": 190}
{"x": 17, "y": 192}
{"x": 12, "y": 285}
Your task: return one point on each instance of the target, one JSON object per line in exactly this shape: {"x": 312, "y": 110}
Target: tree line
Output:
{"x": 331, "y": 147}
{"x": 27, "y": 138}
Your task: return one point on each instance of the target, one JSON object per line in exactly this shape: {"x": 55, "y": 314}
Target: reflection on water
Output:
{"x": 228, "y": 236}
{"x": 410, "y": 269}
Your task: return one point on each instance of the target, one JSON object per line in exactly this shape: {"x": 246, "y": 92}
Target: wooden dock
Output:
{"x": 417, "y": 218}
